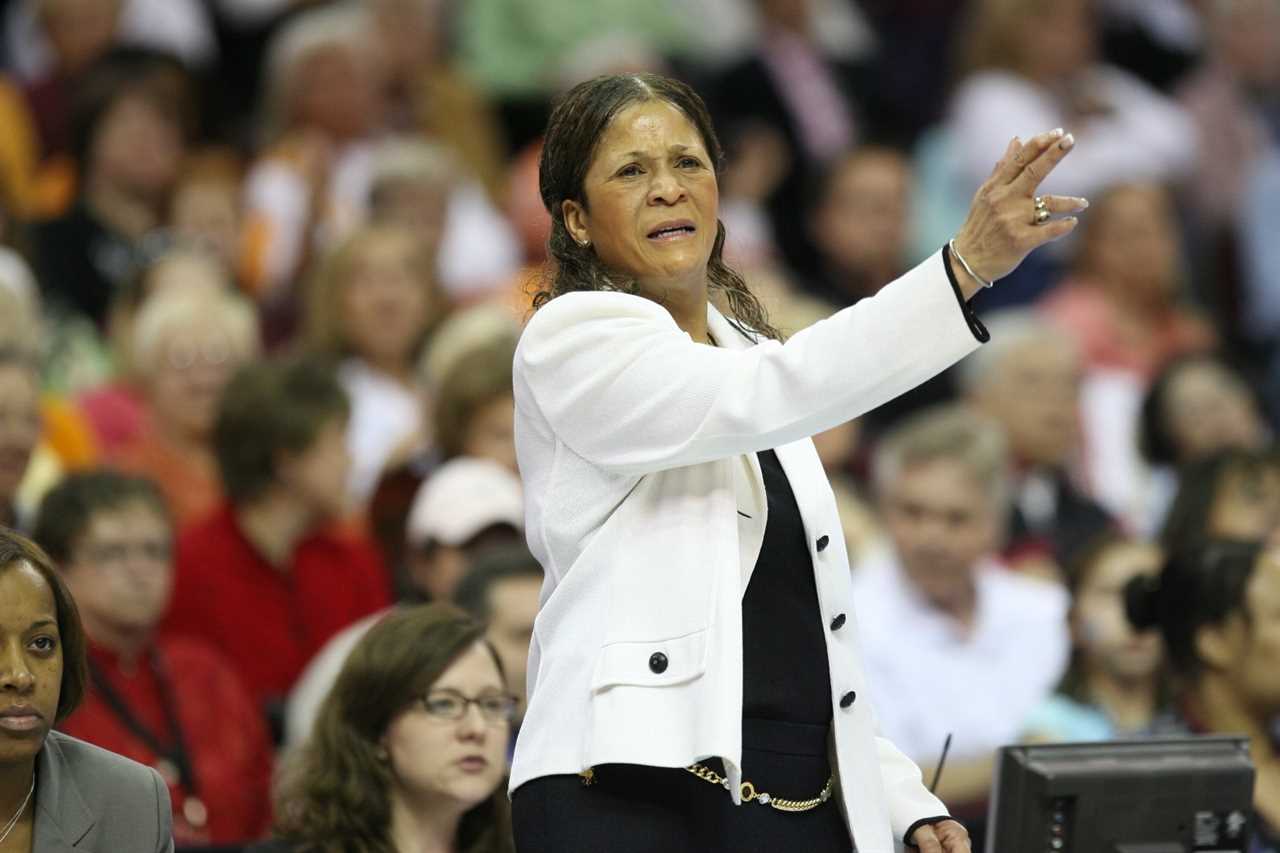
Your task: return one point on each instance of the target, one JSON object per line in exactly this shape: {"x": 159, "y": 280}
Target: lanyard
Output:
{"x": 176, "y": 752}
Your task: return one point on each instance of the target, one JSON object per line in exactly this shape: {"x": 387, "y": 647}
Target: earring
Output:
{"x": 585, "y": 243}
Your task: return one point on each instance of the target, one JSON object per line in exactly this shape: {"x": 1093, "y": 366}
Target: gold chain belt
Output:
{"x": 747, "y": 790}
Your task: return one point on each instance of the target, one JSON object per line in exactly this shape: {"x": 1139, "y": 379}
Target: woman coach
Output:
{"x": 694, "y": 673}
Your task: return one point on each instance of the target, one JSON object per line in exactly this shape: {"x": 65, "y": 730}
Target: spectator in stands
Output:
{"x": 424, "y": 186}
{"x": 187, "y": 344}
{"x": 1123, "y": 304}
{"x": 268, "y": 571}
{"x": 1028, "y": 381}
{"x": 129, "y": 137}
{"x": 860, "y": 224}
{"x": 19, "y": 427}
{"x": 1197, "y": 406}
{"x": 400, "y": 761}
{"x": 308, "y": 186}
{"x": 468, "y": 504}
{"x": 942, "y": 479}
{"x": 87, "y": 798}
{"x": 205, "y": 212}
{"x": 501, "y": 589}
{"x": 174, "y": 704}
{"x": 1218, "y": 608}
{"x": 427, "y": 94}
{"x": 1115, "y": 685}
{"x": 1124, "y": 309}
{"x": 1228, "y": 97}
{"x": 1030, "y": 64}
{"x": 792, "y": 89}
{"x": 373, "y": 306}
{"x": 472, "y": 414}
{"x": 1232, "y": 494}
{"x": 467, "y": 507}
{"x": 116, "y": 405}
{"x": 76, "y": 33}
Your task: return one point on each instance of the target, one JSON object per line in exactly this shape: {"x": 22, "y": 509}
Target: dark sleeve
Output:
{"x": 970, "y": 316}
{"x": 924, "y": 821}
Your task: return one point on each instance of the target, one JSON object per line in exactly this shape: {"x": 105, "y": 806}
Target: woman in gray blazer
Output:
{"x": 59, "y": 794}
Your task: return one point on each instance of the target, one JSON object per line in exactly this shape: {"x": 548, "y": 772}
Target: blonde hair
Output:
{"x": 408, "y": 160}
{"x": 990, "y": 37}
{"x": 951, "y": 432}
{"x": 344, "y": 25}
{"x": 325, "y": 332}
{"x": 169, "y": 310}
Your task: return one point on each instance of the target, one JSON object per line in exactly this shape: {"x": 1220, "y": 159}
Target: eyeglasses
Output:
{"x": 451, "y": 705}
{"x": 118, "y": 553}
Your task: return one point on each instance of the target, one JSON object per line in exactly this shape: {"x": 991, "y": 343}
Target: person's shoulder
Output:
{"x": 1033, "y": 597}
{"x": 995, "y": 84}
{"x": 108, "y": 783}
{"x": 185, "y": 653}
{"x": 580, "y": 305}
{"x": 217, "y": 529}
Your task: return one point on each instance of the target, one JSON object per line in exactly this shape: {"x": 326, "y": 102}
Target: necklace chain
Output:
{"x": 13, "y": 821}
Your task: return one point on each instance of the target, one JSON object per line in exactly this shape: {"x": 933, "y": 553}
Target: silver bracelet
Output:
{"x": 951, "y": 244}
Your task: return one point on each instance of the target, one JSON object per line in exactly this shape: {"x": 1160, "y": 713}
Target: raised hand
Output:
{"x": 1004, "y": 223}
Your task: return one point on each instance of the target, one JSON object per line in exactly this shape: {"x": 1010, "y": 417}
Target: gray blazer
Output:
{"x": 88, "y": 799}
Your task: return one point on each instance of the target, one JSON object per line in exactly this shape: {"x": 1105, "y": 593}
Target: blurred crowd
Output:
{"x": 265, "y": 264}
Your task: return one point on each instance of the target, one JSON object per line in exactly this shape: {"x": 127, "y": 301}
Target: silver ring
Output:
{"x": 1042, "y": 215}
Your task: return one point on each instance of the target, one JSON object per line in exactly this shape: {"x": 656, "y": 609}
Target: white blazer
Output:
{"x": 646, "y": 507}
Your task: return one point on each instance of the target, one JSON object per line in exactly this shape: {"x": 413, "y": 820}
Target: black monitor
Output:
{"x": 1178, "y": 795}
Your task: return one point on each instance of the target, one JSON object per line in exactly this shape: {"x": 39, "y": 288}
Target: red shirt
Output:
{"x": 270, "y": 621}
{"x": 222, "y": 730}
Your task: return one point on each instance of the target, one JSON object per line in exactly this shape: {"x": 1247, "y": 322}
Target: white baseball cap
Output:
{"x": 460, "y": 499}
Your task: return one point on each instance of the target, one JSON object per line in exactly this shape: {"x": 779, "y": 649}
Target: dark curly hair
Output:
{"x": 577, "y": 122}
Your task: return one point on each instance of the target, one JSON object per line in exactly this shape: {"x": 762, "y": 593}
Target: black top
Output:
{"x": 784, "y": 650}
{"x": 81, "y": 263}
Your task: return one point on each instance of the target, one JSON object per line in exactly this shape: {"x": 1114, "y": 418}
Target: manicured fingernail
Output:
{"x": 1056, "y": 132}
{"x": 1084, "y": 204}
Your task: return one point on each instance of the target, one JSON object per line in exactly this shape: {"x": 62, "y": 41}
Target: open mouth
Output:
{"x": 672, "y": 231}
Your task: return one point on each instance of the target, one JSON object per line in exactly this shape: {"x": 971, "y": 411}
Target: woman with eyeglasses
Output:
{"x": 408, "y": 753}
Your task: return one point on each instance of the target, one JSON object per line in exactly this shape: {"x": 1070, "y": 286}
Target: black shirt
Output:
{"x": 784, "y": 651}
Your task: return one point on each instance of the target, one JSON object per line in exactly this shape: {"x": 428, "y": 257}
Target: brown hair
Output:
{"x": 577, "y": 122}
{"x": 70, "y": 507}
{"x": 474, "y": 381}
{"x": 336, "y": 796}
{"x": 16, "y": 548}
{"x": 989, "y": 37}
{"x": 269, "y": 408}
{"x": 325, "y": 330}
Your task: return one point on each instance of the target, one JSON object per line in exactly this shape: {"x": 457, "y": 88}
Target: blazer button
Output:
{"x": 823, "y": 541}
{"x": 847, "y": 699}
{"x": 838, "y": 622}
{"x": 658, "y": 663}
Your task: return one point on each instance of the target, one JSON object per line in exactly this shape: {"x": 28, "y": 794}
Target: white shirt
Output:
{"x": 646, "y": 507}
{"x": 1145, "y": 136}
{"x": 315, "y": 682}
{"x": 930, "y": 678}
{"x": 384, "y": 414}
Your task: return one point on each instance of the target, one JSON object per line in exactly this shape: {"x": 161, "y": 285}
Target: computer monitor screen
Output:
{"x": 1179, "y": 795}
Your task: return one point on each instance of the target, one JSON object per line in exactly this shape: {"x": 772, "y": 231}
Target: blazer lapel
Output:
{"x": 62, "y": 818}
{"x": 753, "y": 504}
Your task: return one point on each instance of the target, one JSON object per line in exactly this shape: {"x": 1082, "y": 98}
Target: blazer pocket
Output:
{"x": 651, "y": 663}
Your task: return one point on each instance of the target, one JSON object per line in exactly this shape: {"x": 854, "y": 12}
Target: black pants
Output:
{"x": 637, "y": 809}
